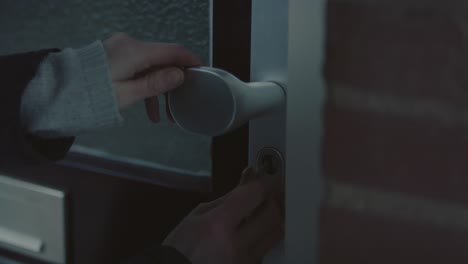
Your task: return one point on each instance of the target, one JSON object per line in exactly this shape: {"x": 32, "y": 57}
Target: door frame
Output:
{"x": 231, "y": 26}
{"x": 287, "y": 44}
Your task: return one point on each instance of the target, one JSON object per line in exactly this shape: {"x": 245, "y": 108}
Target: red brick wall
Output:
{"x": 396, "y": 132}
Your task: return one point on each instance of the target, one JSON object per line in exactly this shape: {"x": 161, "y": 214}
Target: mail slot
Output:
{"x": 32, "y": 220}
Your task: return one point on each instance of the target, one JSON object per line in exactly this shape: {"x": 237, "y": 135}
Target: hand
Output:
{"x": 143, "y": 70}
{"x": 240, "y": 227}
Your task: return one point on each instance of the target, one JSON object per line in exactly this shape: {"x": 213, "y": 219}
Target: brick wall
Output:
{"x": 396, "y": 132}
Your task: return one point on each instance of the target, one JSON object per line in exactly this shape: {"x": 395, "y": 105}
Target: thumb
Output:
{"x": 151, "y": 84}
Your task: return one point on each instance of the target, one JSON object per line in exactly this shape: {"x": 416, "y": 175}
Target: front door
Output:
{"x": 123, "y": 189}
{"x": 112, "y": 205}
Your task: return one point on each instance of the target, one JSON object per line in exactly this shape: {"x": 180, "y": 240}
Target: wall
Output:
{"x": 396, "y": 135}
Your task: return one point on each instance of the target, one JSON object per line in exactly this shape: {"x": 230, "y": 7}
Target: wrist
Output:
{"x": 98, "y": 85}
{"x": 70, "y": 94}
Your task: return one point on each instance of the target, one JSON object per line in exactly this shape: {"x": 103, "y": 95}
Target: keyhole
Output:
{"x": 270, "y": 164}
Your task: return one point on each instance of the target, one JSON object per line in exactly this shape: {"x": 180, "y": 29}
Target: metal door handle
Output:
{"x": 212, "y": 101}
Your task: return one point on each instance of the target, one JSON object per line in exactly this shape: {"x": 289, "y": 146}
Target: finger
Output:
{"x": 241, "y": 202}
{"x": 262, "y": 247}
{"x": 248, "y": 174}
{"x": 205, "y": 207}
{"x": 152, "y": 109}
{"x": 168, "y": 110}
{"x": 265, "y": 220}
{"x": 152, "y": 84}
{"x": 249, "y": 260}
{"x": 164, "y": 54}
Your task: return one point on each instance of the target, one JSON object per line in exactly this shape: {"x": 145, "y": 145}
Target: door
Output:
{"x": 112, "y": 205}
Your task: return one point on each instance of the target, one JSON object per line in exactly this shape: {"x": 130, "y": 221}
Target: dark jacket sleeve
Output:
{"x": 159, "y": 255}
{"x": 17, "y": 147}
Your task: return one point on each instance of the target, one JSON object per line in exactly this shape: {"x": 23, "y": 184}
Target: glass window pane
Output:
{"x": 31, "y": 25}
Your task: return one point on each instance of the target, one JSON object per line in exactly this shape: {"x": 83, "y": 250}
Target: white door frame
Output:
{"x": 287, "y": 45}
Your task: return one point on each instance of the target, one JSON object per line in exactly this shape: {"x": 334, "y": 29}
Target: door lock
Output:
{"x": 270, "y": 165}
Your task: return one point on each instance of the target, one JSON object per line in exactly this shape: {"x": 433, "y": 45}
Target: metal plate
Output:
{"x": 269, "y": 50}
{"x": 287, "y": 48}
{"x": 32, "y": 220}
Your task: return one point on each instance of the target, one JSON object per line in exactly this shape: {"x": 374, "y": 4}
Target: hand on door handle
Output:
{"x": 212, "y": 101}
{"x": 144, "y": 70}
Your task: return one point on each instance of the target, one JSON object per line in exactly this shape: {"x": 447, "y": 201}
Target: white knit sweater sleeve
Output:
{"x": 70, "y": 94}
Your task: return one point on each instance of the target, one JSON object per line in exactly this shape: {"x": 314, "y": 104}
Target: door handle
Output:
{"x": 212, "y": 101}
{"x": 25, "y": 242}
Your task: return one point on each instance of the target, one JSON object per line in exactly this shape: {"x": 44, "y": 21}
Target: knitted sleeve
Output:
{"x": 70, "y": 94}
{"x": 17, "y": 145}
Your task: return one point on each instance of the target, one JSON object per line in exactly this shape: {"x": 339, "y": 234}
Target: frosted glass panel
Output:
{"x": 30, "y": 25}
